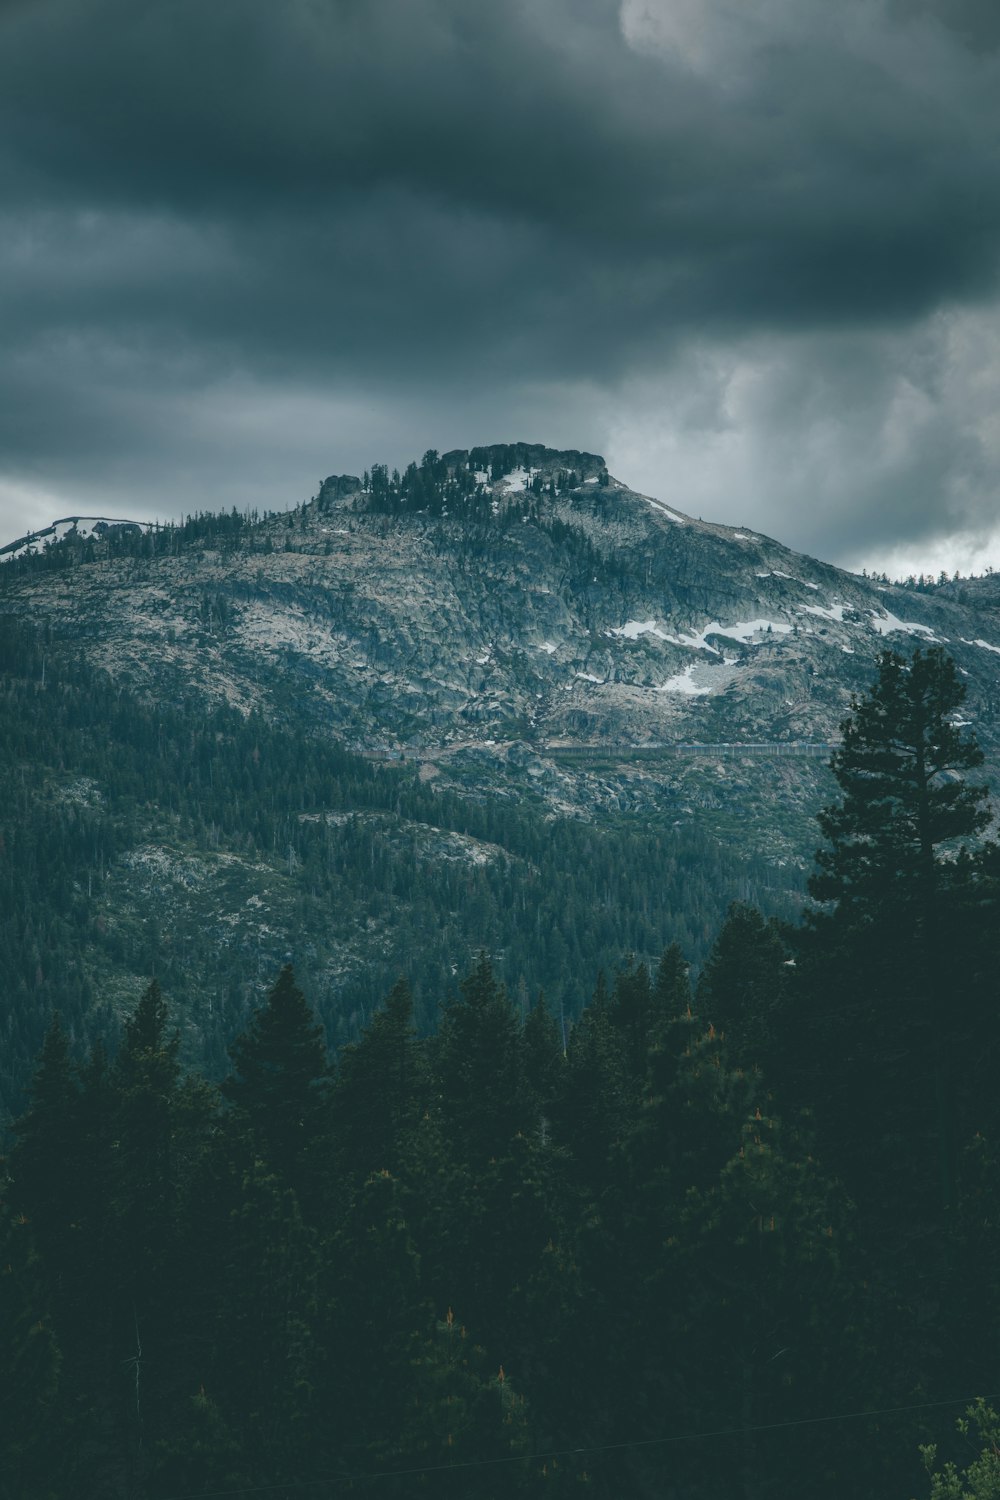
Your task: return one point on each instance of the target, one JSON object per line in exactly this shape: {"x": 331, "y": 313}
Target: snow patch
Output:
{"x": 589, "y": 677}
{"x": 633, "y": 629}
{"x": 665, "y": 510}
{"x": 888, "y": 623}
{"x": 548, "y": 648}
{"x": 825, "y": 611}
{"x": 683, "y": 682}
{"x": 697, "y": 640}
{"x": 985, "y": 645}
{"x": 518, "y": 479}
{"x": 745, "y": 630}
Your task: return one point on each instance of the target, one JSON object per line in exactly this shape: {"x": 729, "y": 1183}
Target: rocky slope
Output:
{"x": 570, "y": 696}
{"x": 551, "y": 609}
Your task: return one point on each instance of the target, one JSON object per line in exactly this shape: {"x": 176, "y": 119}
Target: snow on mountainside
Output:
{"x": 511, "y": 596}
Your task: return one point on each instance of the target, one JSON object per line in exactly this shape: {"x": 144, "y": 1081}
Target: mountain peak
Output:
{"x": 500, "y": 593}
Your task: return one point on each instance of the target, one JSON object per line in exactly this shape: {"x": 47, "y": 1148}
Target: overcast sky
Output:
{"x": 747, "y": 249}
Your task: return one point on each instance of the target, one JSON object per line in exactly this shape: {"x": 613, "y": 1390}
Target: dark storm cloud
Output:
{"x": 360, "y": 197}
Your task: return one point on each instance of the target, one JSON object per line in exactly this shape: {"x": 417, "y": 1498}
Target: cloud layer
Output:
{"x": 753, "y": 256}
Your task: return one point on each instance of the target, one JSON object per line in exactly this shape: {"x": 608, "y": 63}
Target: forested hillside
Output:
{"x": 498, "y": 701}
{"x": 148, "y": 837}
{"x": 740, "y": 1241}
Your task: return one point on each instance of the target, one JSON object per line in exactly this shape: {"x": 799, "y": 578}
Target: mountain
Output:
{"x": 498, "y": 700}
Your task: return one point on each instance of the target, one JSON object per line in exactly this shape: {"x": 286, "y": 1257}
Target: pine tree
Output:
{"x": 900, "y": 767}
{"x": 145, "y": 1078}
{"x": 713, "y": 1273}
{"x": 543, "y": 1062}
{"x": 378, "y": 1088}
{"x": 742, "y": 986}
{"x": 372, "y": 1319}
{"x": 592, "y": 1108}
{"x": 477, "y": 1064}
{"x": 881, "y": 1046}
{"x": 279, "y": 1085}
{"x": 259, "y": 1365}
{"x": 632, "y": 1013}
{"x": 32, "y": 1430}
{"x": 155, "y": 1120}
{"x": 46, "y": 1165}
{"x": 671, "y": 985}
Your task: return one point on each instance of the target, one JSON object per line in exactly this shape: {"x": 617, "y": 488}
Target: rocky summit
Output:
{"x": 512, "y": 634}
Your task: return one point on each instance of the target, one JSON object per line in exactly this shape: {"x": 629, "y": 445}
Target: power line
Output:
{"x": 521, "y": 1458}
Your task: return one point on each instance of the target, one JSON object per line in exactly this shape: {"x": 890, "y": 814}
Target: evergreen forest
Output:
{"x": 152, "y": 837}
{"x": 735, "y": 1237}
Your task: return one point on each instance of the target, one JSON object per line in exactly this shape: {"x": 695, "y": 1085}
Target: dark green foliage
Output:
{"x": 474, "y": 1265}
{"x": 632, "y": 1015}
{"x": 672, "y": 986}
{"x": 900, "y": 770}
{"x": 742, "y": 988}
{"x": 45, "y": 1164}
{"x": 878, "y": 961}
{"x": 592, "y": 1107}
{"x": 512, "y": 1253}
{"x": 34, "y": 1432}
{"x": 478, "y": 1069}
{"x": 280, "y": 1083}
{"x": 975, "y": 1475}
{"x": 379, "y": 1089}
{"x": 544, "y": 1062}
{"x": 145, "y": 1174}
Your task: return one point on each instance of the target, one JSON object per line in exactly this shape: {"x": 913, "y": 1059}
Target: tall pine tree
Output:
{"x": 877, "y": 960}
{"x": 279, "y": 1086}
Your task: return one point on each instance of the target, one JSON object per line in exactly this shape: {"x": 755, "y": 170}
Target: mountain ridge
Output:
{"x": 522, "y": 609}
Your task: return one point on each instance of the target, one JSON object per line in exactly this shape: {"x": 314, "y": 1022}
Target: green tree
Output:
{"x": 32, "y": 1431}
{"x": 632, "y": 1013}
{"x": 145, "y": 1079}
{"x": 543, "y": 1062}
{"x": 379, "y": 1085}
{"x": 671, "y": 985}
{"x": 279, "y": 1084}
{"x": 979, "y": 1479}
{"x": 477, "y": 1064}
{"x": 742, "y": 986}
{"x": 373, "y": 1317}
{"x": 591, "y": 1111}
{"x": 900, "y": 768}
{"x": 160, "y": 1124}
{"x": 46, "y": 1167}
{"x": 881, "y": 1039}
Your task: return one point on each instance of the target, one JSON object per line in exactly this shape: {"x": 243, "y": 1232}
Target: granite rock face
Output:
{"x": 549, "y": 622}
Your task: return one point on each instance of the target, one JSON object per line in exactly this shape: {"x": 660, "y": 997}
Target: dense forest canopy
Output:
{"x": 736, "y": 1238}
